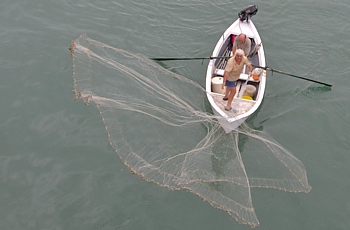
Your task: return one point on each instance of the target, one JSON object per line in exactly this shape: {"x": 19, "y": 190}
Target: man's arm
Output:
{"x": 250, "y": 68}
{"x": 234, "y": 46}
{"x": 248, "y": 46}
{"x": 226, "y": 73}
{"x": 233, "y": 50}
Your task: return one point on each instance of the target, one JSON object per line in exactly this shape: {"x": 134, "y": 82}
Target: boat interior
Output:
{"x": 220, "y": 65}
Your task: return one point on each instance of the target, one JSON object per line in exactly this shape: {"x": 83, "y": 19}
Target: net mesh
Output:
{"x": 158, "y": 124}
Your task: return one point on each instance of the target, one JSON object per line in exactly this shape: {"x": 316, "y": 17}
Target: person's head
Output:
{"x": 239, "y": 54}
{"x": 241, "y": 38}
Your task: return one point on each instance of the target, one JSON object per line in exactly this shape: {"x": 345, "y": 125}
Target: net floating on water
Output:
{"x": 157, "y": 122}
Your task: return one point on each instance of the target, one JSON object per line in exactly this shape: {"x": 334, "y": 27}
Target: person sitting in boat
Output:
{"x": 232, "y": 72}
{"x": 242, "y": 42}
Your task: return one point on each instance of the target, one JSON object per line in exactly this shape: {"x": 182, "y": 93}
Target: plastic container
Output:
{"x": 250, "y": 90}
{"x": 216, "y": 83}
{"x": 247, "y": 97}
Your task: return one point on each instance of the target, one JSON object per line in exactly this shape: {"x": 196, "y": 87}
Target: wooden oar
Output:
{"x": 187, "y": 58}
{"x": 292, "y": 75}
{"x": 226, "y": 57}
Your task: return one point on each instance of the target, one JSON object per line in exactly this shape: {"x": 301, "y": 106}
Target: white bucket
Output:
{"x": 216, "y": 83}
{"x": 250, "y": 90}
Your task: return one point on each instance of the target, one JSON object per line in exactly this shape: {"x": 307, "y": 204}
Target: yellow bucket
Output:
{"x": 247, "y": 97}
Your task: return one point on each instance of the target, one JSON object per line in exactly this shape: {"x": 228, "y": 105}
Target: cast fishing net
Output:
{"x": 158, "y": 124}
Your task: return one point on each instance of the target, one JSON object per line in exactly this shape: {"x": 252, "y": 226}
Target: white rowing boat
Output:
{"x": 243, "y": 106}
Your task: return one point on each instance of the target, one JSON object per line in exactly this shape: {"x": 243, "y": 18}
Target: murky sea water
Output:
{"x": 58, "y": 170}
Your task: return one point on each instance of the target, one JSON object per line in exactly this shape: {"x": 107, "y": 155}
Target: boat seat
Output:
{"x": 220, "y": 72}
{"x": 244, "y": 76}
